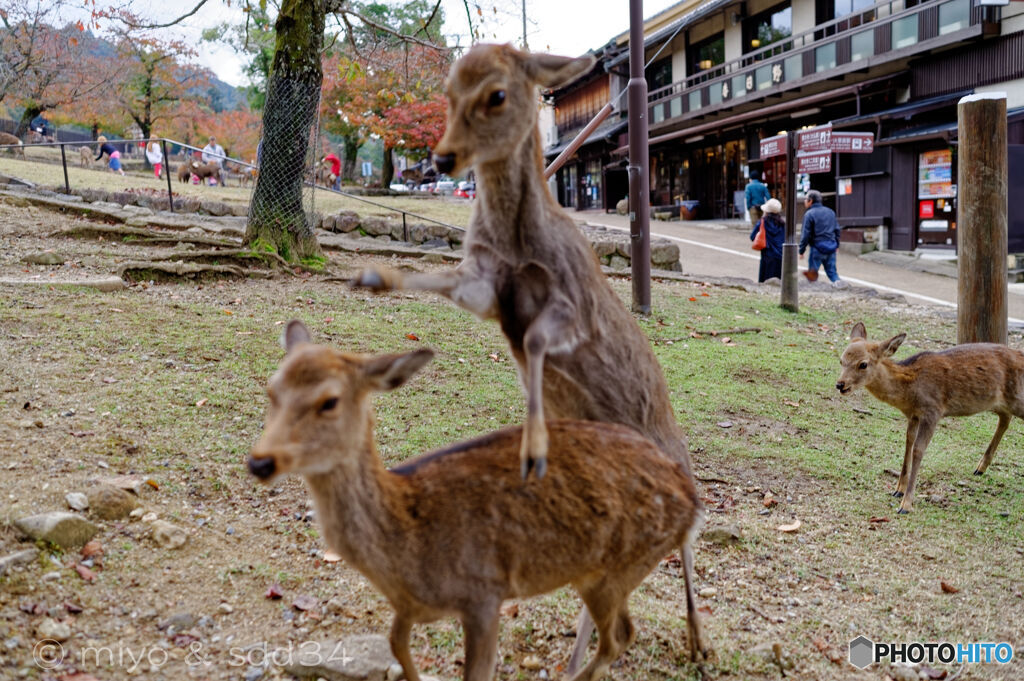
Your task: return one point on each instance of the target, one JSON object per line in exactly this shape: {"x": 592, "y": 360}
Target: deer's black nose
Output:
{"x": 840, "y": 385}
{"x": 444, "y": 163}
{"x": 262, "y": 468}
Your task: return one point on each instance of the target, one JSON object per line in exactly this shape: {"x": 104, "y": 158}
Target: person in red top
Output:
{"x": 335, "y": 169}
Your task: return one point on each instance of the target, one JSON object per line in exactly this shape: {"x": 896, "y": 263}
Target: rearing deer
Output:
{"x": 458, "y": 531}
{"x": 961, "y": 381}
{"x": 580, "y": 353}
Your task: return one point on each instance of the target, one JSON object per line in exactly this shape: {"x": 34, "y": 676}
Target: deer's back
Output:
{"x": 968, "y": 378}
{"x": 609, "y": 501}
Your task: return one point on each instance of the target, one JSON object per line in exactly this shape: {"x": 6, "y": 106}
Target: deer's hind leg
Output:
{"x": 481, "y": 627}
{"x": 986, "y": 459}
{"x": 607, "y": 607}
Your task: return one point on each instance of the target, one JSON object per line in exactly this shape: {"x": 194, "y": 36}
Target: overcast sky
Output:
{"x": 569, "y": 27}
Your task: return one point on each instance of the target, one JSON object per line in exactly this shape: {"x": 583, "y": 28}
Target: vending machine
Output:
{"x": 936, "y": 198}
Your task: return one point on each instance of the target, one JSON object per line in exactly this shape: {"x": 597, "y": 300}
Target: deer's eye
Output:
{"x": 328, "y": 404}
{"x": 862, "y": 366}
{"x": 496, "y": 99}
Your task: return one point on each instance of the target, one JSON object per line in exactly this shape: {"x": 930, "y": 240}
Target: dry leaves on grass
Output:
{"x": 948, "y": 588}
{"x": 790, "y": 527}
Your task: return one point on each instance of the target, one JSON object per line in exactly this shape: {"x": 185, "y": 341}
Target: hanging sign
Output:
{"x": 853, "y": 142}
{"x": 815, "y": 139}
{"x": 773, "y": 146}
{"x": 814, "y": 161}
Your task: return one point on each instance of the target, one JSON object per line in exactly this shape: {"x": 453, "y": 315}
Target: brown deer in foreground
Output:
{"x": 18, "y": 149}
{"x": 961, "y": 381}
{"x": 580, "y": 353}
{"x": 458, "y": 531}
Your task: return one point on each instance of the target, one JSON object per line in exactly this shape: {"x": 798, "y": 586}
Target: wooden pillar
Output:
{"x": 790, "y": 298}
{"x": 981, "y": 219}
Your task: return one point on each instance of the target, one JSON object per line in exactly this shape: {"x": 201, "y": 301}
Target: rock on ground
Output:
{"x": 357, "y": 658}
{"x": 111, "y": 503}
{"x": 64, "y": 529}
{"x": 723, "y": 535}
{"x": 19, "y": 558}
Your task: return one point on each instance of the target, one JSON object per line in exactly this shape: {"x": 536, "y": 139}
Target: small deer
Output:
{"x": 85, "y": 157}
{"x": 17, "y": 148}
{"x": 961, "y": 381}
{"x": 580, "y": 353}
{"x": 458, "y": 531}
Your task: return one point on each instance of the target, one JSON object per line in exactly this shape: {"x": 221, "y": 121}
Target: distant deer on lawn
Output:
{"x": 458, "y": 531}
{"x": 580, "y": 353}
{"x": 961, "y": 381}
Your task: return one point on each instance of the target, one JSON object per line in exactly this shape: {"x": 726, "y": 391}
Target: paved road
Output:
{"x": 723, "y": 249}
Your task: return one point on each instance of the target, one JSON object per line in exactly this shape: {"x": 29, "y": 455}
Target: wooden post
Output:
{"x": 981, "y": 220}
{"x": 790, "y": 298}
{"x": 639, "y": 164}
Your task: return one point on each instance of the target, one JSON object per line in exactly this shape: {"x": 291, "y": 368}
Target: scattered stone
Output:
{"x": 76, "y": 501}
{"x": 436, "y": 243}
{"x": 225, "y": 608}
{"x": 723, "y": 535}
{"x": 111, "y": 503}
{"x": 394, "y": 673}
{"x": 253, "y": 673}
{"x": 708, "y": 592}
{"x": 168, "y": 536}
{"x": 532, "y": 663}
{"x": 357, "y": 658}
{"x": 43, "y": 258}
{"x": 177, "y": 622}
{"x": 617, "y": 262}
{"x": 130, "y": 483}
{"x": 622, "y": 207}
{"x": 64, "y": 529}
{"x": 137, "y": 514}
{"x": 52, "y": 629}
{"x": 20, "y": 558}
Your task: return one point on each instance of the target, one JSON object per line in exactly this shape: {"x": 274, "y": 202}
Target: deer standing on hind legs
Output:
{"x": 579, "y": 352}
{"x": 458, "y": 531}
{"x": 961, "y": 381}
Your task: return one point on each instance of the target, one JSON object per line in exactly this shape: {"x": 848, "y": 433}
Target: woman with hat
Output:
{"x": 775, "y": 235}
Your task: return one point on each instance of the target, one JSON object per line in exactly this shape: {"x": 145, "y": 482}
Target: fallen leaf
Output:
{"x": 83, "y": 433}
{"x": 494, "y": 356}
{"x": 510, "y": 610}
{"x": 692, "y": 299}
{"x": 412, "y": 336}
{"x": 705, "y": 294}
{"x": 790, "y": 404}
{"x": 201, "y": 402}
{"x": 876, "y": 519}
{"x": 274, "y": 592}
{"x": 93, "y": 548}
{"x": 948, "y": 588}
{"x": 109, "y": 379}
{"x": 73, "y": 608}
{"x": 769, "y": 500}
{"x": 228, "y": 312}
{"x": 328, "y": 320}
{"x": 694, "y": 334}
{"x": 792, "y": 527}
{"x": 305, "y": 602}
{"x": 85, "y": 573}
{"x": 705, "y": 609}
{"x": 152, "y": 483}
{"x": 724, "y": 424}
{"x": 726, "y": 340}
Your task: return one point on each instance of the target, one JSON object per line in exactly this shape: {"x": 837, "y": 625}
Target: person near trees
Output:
{"x": 112, "y": 153}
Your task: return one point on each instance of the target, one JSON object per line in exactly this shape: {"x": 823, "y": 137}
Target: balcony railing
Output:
{"x": 882, "y": 33}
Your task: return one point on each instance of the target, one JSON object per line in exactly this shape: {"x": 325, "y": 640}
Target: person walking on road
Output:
{"x": 775, "y": 236}
{"x": 821, "y": 235}
{"x": 756, "y": 195}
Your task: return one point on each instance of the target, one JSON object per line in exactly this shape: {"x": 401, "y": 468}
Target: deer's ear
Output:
{"x": 858, "y": 332}
{"x": 294, "y": 334}
{"x": 549, "y": 70}
{"x": 387, "y": 372}
{"x": 889, "y": 347}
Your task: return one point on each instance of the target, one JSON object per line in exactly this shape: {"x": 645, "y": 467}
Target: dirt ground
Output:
{"x": 165, "y": 382}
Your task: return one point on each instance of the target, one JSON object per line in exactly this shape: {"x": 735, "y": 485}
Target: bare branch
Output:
{"x": 397, "y": 34}
{"x": 426, "y": 24}
{"x": 173, "y": 22}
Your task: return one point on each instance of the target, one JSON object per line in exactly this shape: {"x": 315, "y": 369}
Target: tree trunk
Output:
{"x": 25, "y": 122}
{"x": 387, "y": 170}
{"x": 277, "y": 220}
{"x": 350, "y": 157}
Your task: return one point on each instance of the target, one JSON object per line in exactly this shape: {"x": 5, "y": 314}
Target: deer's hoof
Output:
{"x": 538, "y": 466}
{"x": 897, "y": 494}
{"x": 978, "y": 471}
{"x": 903, "y": 511}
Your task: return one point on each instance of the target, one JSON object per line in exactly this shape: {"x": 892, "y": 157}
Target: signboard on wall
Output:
{"x": 814, "y": 162}
{"x": 773, "y": 146}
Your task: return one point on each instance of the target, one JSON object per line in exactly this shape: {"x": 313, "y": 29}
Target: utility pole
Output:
{"x": 639, "y": 166}
{"x": 525, "y": 45}
{"x": 790, "y": 248}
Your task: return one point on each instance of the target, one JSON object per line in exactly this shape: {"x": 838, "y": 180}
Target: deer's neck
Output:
{"x": 893, "y": 385}
{"x": 353, "y": 509}
{"x": 512, "y": 194}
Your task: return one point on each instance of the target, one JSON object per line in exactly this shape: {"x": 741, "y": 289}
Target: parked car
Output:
{"x": 466, "y": 190}
{"x": 398, "y": 187}
{"x": 445, "y": 187}
{"x": 428, "y": 187}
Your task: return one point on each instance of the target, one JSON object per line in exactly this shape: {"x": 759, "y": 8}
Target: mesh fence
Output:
{"x": 287, "y": 158}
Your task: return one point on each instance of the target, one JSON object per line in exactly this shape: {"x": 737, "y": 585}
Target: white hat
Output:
{"x": 772, "y": 206}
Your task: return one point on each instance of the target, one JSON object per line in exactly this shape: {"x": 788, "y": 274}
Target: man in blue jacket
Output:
{"x": 757, "y": 195}
{"x": 821, "y": 233}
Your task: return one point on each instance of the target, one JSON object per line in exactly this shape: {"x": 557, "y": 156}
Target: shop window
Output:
{"x": 739, "y": 86}
{"x": 954, "y": 16}
{"x": 706, "y": 54}
{"x": 794, "y": 67}
{"x": 659, "y": 75}
{"x": 695, "y": 100}
{"x": 825, "y": 57}
{"x": 770, "y": 27}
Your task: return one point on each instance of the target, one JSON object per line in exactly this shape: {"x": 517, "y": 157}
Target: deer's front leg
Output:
{"x": 467, "y": 287}
{"x": 924, "y": 436}
{"x": 912, "y": 426}
{"x": 551, "y": 331}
